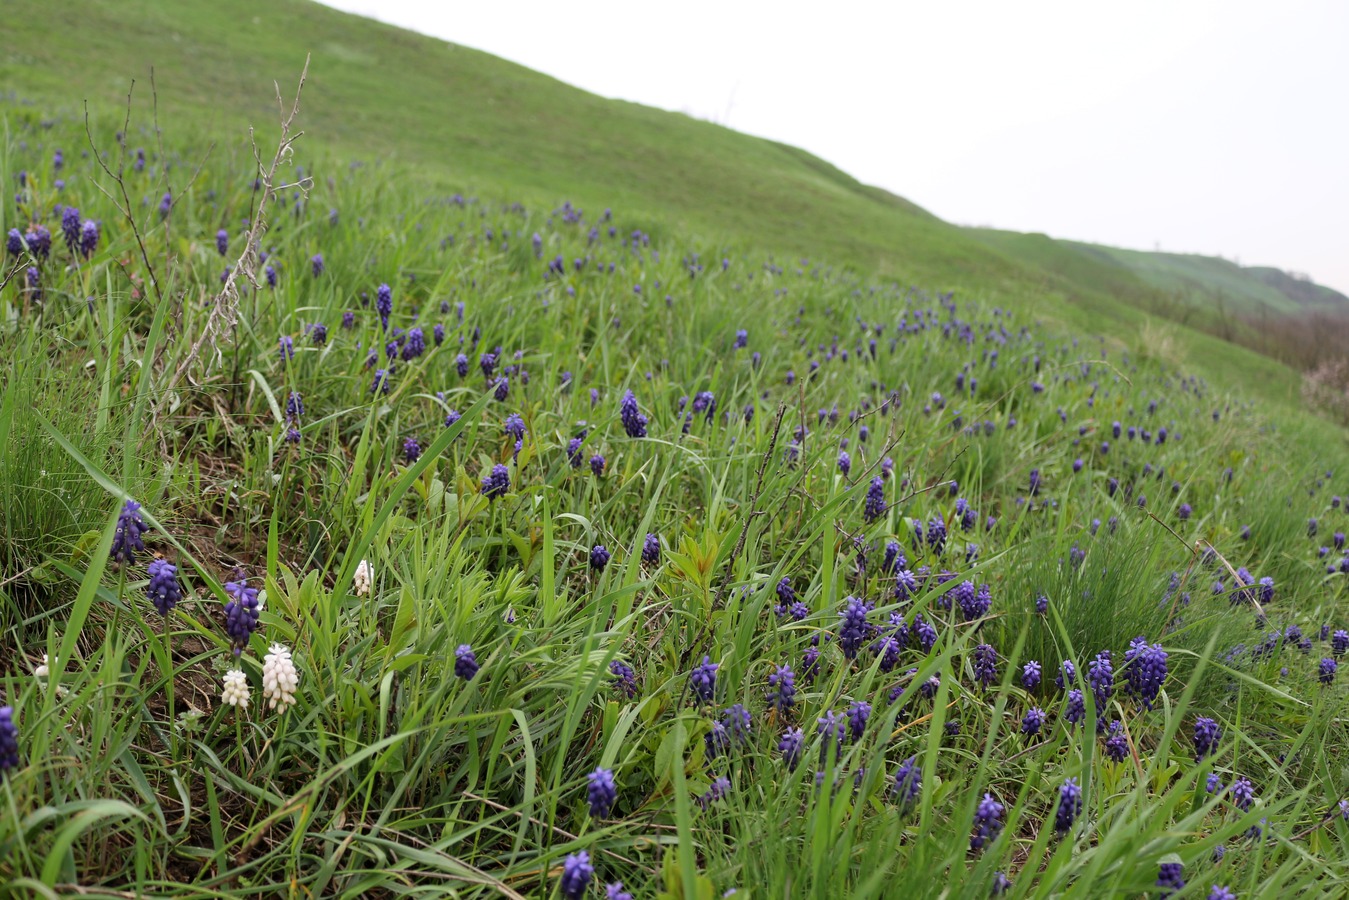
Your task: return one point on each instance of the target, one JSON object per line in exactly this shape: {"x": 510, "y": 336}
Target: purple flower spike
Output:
{"x": 1070, "y": 806}
{"x": 576, "y": 874}
{"x": 908, "y": 783}
{"x": 987, "y": 822}
{"x": 465, "y": 662}
{"x": 651, "y": 549}
{"x": 602, "y": 792}
{"x": 703, "y": 680}
{"x": 497, "y": 482}
{"x": 127, "y": 540}
{"x": 634, "y": 423}
{"x": 241, "y": 613}
{"x": 163, "y": 590}
{"x": 9, "y": 740}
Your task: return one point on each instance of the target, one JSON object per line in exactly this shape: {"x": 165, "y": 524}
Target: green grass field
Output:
{"x": 625, "y": 507}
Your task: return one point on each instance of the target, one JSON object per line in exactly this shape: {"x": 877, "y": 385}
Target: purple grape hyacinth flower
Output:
{"x": 294, "y": 406}
{"x": 908, "y": 783}
{"x": 576, "y": 874}
{"x": 1101, "y": 677}
{"x": 9, "y": 741}
{"x": 163, "y": 590}
{"x": 703, "y": 680}
{"x": 497, "y": 482}
{"x": 782, "y": 688}
{"x": 415, "y": 345}
{"x": 70, "y": 227}
{"x": 465, "y": 662}
{"x": 599, "y": 557}
{"x": 853, "y": 629}
{"x": 651, "y": 549}
{"x": 39, "y": 242}
{"x": 625, "y": 679}
{"x": 987, "y": 822}
{"x": 736, "y": 720}
{"x": 574, "y": 450}
{"x": 721, "y": 786}
{"x": 875, "y": 502}
{"x": 1117, "y": 745}
{"x": 985, "y": 664}
{"x": 1146, "y": 667}
{"x": 1031, "y": 673}
{"x": 89, "y": 234}
{"x": 1171, "y": 878}
{"x": 384, "y": 304}
{"x": 126, "y": 539}
{"x": 790, "y": 746}
{"x": 1207, "y": 735}
{"x": 634, "y": 423}
{"x": 1070, "y": 806}
{"x": 1243, "y": 794}
{"x": 858, "y": 714}
{"x": 1076, "y": 709}
{"x": 602, "y": 792}
{"x": 241, "y": 613}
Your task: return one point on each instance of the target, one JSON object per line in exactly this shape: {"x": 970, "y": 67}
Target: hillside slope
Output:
{"x": 378, "y": 89}
{"x": 460, "y": 118}
{"x": 1207, "y": 283}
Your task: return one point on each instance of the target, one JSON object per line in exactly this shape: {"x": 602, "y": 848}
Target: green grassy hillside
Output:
{"x": 457, "y": 118}
{"x": 376, "y": 89}
{"x": 488, "y": 123}
{"x": 363, "y": 540}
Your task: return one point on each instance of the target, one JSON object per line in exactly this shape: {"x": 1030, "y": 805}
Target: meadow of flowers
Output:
{"x": 513, "y": 548}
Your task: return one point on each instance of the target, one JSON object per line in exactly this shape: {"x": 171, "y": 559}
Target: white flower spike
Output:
{"x": 362, "y": 579}
{"x": 279, "y": 678}
{"x": 235, "y": 692}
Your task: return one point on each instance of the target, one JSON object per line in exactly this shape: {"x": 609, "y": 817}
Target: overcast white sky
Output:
{"x": 1190, "y": 125}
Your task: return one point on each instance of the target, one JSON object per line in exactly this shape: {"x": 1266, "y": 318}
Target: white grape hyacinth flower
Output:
{"x": 42, "y": 671}
{"x": 361, "y": 580}
{"x": 279, "y": 678}
{"x": 235, "y": 692}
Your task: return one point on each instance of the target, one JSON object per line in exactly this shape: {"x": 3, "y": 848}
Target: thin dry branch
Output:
{"x": 123, "y": 206}
{"x": 224, "y": 312}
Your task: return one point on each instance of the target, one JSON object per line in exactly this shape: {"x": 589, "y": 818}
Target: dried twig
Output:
{"x": 224, "y": 311}
{"x": 124, "y": 205}
{"x": 9, "y": 276}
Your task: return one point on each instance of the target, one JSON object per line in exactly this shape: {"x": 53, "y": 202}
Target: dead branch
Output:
{"x": 224, "y": 312}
